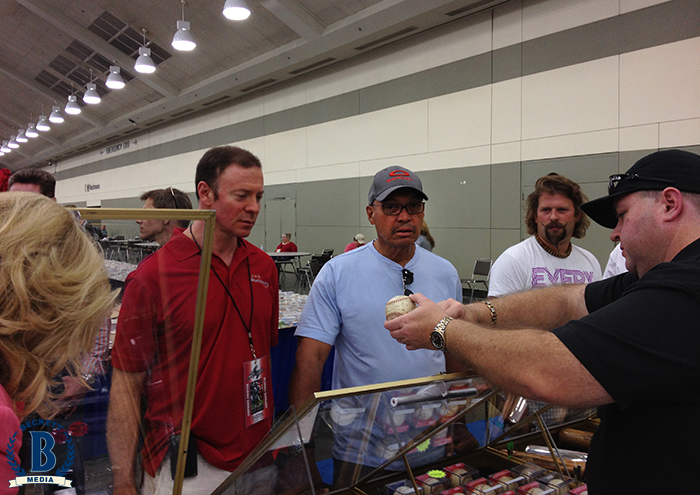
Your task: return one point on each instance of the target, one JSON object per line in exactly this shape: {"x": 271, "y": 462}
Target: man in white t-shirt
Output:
{"x": 548, "y": 257}
{"x": 616, "y": 263}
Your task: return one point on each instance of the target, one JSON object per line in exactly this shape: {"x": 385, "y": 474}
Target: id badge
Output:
{"x": 256, "y": 377}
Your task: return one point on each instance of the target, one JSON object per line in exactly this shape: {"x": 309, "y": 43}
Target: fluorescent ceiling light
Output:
{"x": 236, "y": 10}
{"x": 42, "y": 125}
{"x": 144, "y": 64}
{"x": 114, "y": 79}
{"x": 183, "y": 39}
{"x": 31, "y": 131}
{"x": 72, "y": 107}
{"x": 91, "y": 96}
{"x": 56, "y": 117}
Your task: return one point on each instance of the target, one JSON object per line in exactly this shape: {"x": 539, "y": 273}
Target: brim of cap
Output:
{"x": 384, "y": 194}
{"x": 602, "y": 210}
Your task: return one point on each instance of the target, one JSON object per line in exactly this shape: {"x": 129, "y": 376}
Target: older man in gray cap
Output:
{"x": 346, "y": 305}
{"x": 629, "y": 344}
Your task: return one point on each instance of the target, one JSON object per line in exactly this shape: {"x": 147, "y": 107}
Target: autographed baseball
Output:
{"x": 397, "y": 306}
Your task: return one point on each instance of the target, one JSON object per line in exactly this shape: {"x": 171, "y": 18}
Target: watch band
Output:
{"x": 440, "y": 328}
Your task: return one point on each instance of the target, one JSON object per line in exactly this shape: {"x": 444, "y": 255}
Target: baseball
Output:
{"x": 397, "y": 306}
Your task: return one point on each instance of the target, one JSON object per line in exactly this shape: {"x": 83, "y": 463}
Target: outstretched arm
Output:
{"x": 529, "y": 362}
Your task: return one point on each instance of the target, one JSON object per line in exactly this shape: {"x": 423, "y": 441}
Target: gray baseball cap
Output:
{"x": 390, "y": 179}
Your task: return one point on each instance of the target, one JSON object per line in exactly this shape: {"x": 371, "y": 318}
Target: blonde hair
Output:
{"x": 54, "y": 295}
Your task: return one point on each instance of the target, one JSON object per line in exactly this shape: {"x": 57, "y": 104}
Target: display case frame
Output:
{"x": 296, "y": 433}
{"x": 209, "y": 218}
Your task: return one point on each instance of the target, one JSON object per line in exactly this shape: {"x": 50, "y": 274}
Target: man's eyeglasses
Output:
{"x": 394, "y": 209}
{"x": 407, "y": 276}
{"x": 616, "y": 179}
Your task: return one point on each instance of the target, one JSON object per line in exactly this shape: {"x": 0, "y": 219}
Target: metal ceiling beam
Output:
{"x": 296, "y": 17}
{"x": 76, "y": 31}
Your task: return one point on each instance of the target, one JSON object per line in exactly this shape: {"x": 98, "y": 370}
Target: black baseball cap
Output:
{"x": 655, "y": 172}
{"x": 390, "y": 179}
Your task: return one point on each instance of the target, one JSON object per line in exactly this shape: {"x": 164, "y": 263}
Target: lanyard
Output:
{"x": 252, "y": 300}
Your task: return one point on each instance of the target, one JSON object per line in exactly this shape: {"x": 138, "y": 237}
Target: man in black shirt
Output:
{"x": 629, "y": 344}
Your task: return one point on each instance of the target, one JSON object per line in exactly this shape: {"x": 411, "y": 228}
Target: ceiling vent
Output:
{"x": 476, "y": 7}
{"x": 312, "y": 66}
{"x": 386, "y": 38}
{"x": 215, "y": 101}
{"x": 182, "y": 112}
{"x": 258, "y": 85}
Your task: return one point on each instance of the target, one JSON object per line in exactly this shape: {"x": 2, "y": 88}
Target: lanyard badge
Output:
{"x": 256, "y": 381}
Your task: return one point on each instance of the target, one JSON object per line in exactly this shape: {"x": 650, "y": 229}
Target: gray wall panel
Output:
{"x": 580, "y": 169}
{"x": 505, "y": 196}
{"x": 502, "y": 239}
{"x": 449, "y": 78}
{"x": 461, "y": 247}
{"x": 458, "y": 197}
{"x": 659, "y": 24}
{"x": 507, "y": 63}
{"x": 328, "y": 203}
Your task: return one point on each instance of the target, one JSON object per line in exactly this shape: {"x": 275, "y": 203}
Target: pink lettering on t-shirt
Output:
{"x": 541, "y": 275}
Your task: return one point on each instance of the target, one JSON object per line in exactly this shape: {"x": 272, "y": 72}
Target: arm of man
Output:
{"x": 528, "y": 362}
{"x": 306, "y": 377}
{"x": 544, "y": 309}
{"x": 123, "y": 420}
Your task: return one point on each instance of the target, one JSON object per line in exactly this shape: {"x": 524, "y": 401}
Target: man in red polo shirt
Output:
{"x": 154, "y": 335}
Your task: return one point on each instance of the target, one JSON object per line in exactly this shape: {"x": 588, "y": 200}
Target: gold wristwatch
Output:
{"x": 437, "y": 337}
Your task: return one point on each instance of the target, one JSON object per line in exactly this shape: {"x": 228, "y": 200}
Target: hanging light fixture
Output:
{"x": 114, "y": 79}
{"x": 236, "y": 10}
{"x": 72, "y": 107}
{"x": 31, "y": 128}
{"x": 12, "y": 143}
{"x": 42, "y": 124}
{"x": 144, "y": 64}
{"x": 183, "y": 39}
{"x": 91, "y": 96}
{"x": 56, "y": 116}
{"x": 4, "y": 148}
{"x": 21, "y": 138}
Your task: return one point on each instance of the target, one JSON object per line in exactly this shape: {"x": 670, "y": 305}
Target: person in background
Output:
{"x": 54, "y": 295}
{"x": 357, "y": 241}
{"x": 161, "y": 231}
{"x": 286, "y": 246}
{"x": 616, "y": 263}
{"x": 628, "y": 344}
{"x": 346, "y": 307}
{"x": 33, "y": 180}
{"x": 425, "y": 240}
{"x": 104, "y": 232}
{"x": 151, "y": 353}
{"x": 547, "y": 257}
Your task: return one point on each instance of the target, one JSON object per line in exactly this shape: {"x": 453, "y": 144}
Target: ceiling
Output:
{"x": 47, "y": 45}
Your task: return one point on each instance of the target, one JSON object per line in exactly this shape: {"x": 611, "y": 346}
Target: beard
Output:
{"x": 555, "y": 238}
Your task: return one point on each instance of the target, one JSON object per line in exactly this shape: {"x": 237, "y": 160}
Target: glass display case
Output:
{"x": 449, "y": 433}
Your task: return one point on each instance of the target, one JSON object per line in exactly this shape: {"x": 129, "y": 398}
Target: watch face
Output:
{"x": 437, "y": 340}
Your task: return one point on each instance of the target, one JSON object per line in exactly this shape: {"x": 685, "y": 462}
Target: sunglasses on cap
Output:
{"x": 617, "y": 179}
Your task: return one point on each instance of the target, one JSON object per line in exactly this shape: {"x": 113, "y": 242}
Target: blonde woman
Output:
{"x": 54, "y": 295}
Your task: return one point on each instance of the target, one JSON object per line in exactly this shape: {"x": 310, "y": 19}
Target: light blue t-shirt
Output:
{"x": 346, "y": 308}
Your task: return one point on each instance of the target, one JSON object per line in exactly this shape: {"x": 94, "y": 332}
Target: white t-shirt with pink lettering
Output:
{"x": 527, "y": 266}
